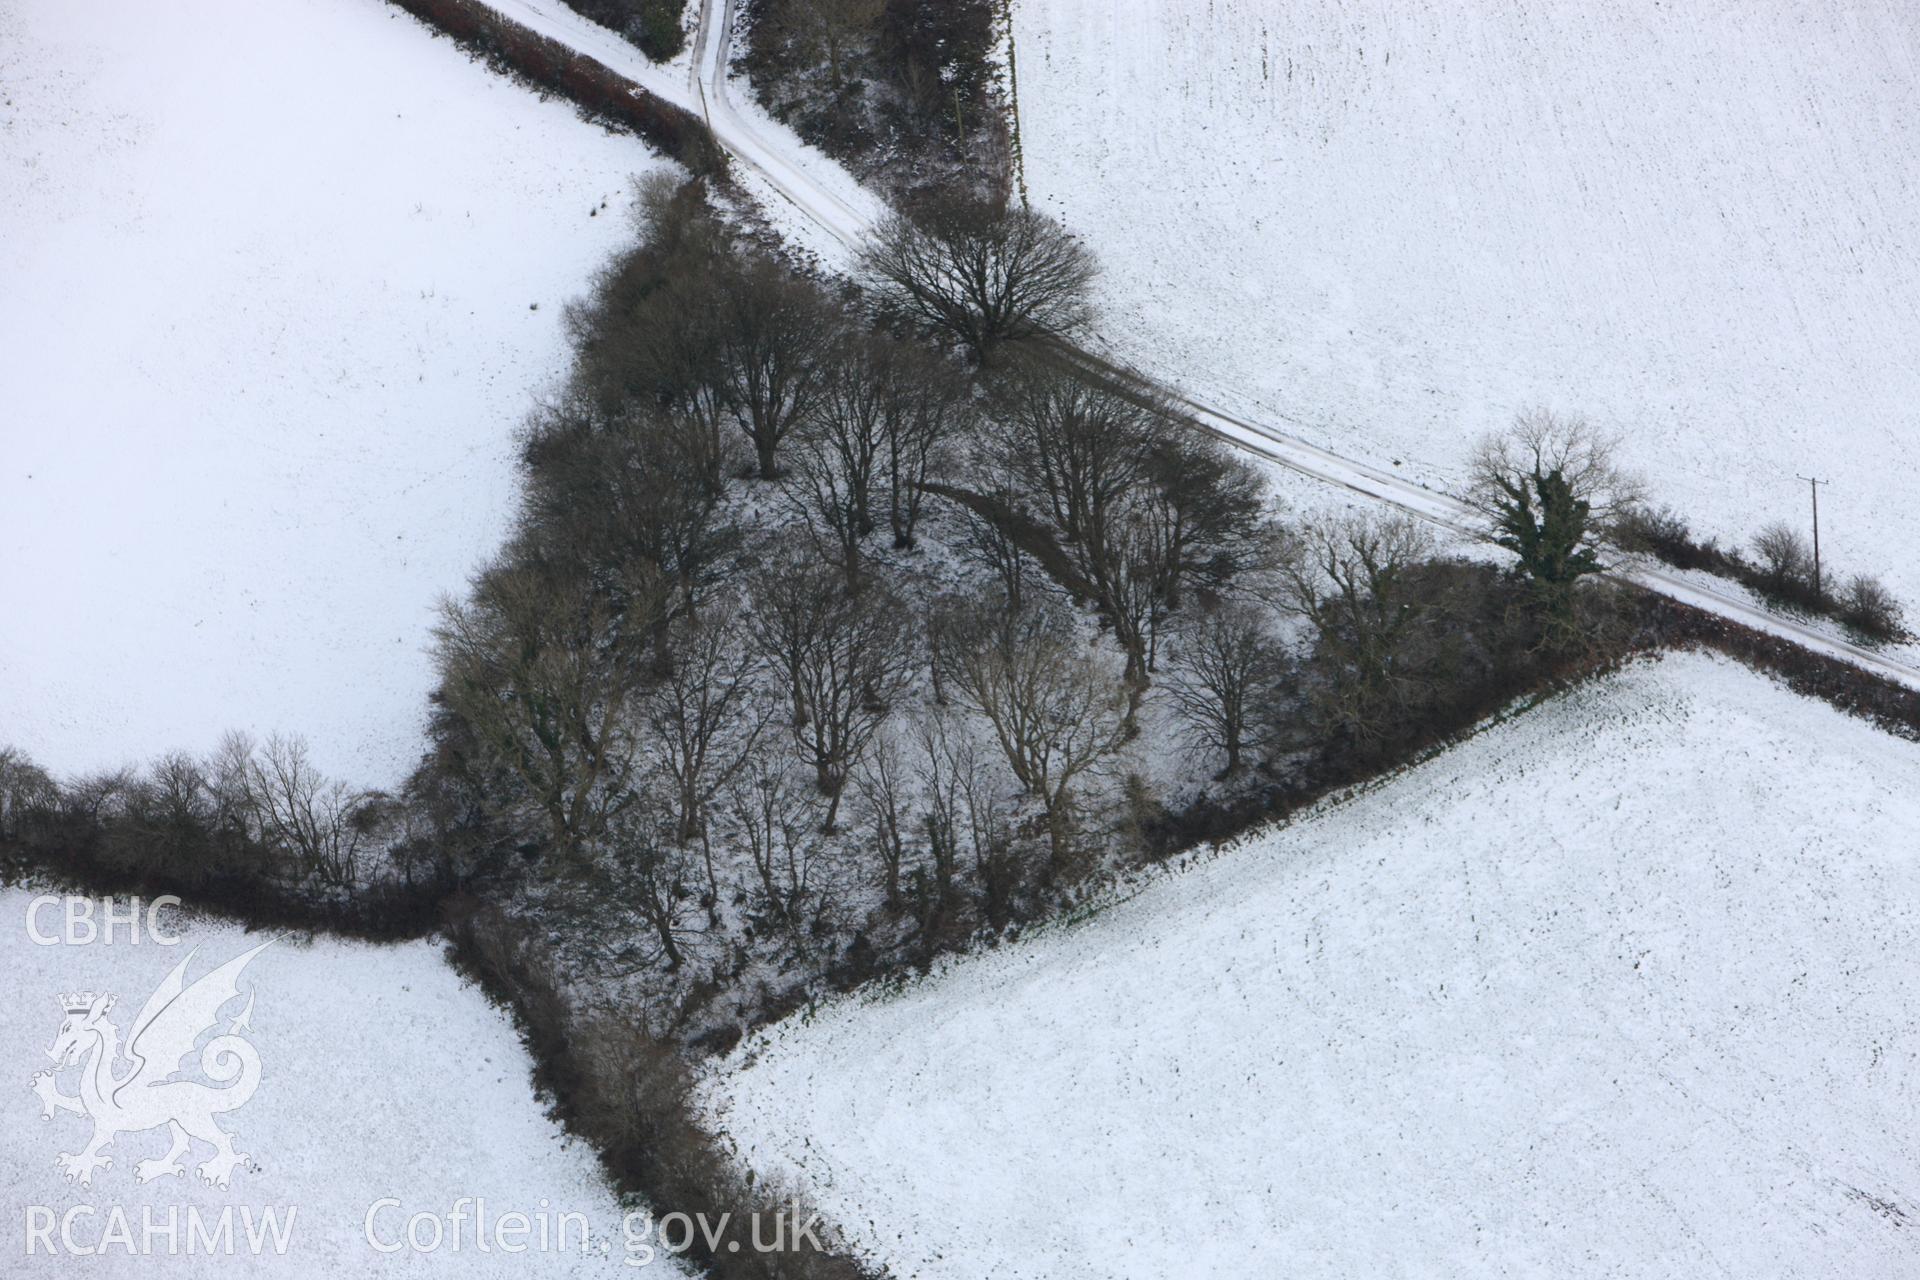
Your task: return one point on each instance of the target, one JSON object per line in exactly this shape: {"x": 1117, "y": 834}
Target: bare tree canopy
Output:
{"x": 831, "y": 26}
{"x": 620, "y": 490}
{"x": 880, "y": 413}
{"x": 982, "y": 275}
{"x": 648, "y": 337}
{"x": 1554, "y": 494}
{"x": 1055, "y": 713}
{"x": 1354, "y": 581}
{"x": 703, "y": 714}
{"x": 1226, "y": 671}
{"x": 774, "y": 333}
{"x": 1141, "y": 506}
{"x": 845, "y": 656}
{"x": 1871, "y": 612}
{"x": 546, "y": 672}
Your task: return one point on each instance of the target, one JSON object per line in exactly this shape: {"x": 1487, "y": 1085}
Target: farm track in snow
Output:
{"x": 826, "y": 197}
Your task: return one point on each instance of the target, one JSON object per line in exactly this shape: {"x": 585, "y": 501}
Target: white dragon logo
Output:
{"x": 146, "y": 1095}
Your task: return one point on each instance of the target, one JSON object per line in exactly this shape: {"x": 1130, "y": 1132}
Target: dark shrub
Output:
{"x": 1870, "y": 611}
{"x": 1785, "y": 575}
{"x": 1663, "y": 534}
{"x": 654, "y": 25}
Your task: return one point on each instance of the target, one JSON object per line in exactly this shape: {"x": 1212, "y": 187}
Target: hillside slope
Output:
{"x": 1392, "y": 224}
{"x": 1625, "y": 986}
{"x": 281, "y": 281}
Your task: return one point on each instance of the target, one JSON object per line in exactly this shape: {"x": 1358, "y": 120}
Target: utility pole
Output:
{"x": 1814, "y": 486}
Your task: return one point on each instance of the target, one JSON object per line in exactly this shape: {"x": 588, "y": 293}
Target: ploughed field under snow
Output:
{"x": 280, "y": 282}
{"x": 383, "y": 1076}
{"x": 1625, "y": 985}
{"x": 1391, "y": 223}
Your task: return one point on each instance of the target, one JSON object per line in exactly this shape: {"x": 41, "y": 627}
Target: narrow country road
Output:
{"x": 825, "y": 196}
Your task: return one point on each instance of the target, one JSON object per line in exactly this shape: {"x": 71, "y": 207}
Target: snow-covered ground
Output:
{"x": 1388, "y": 224}
{"x": 269, "y": 315}
{"x": 1625, "y": 985}
{"x": 383, "y": 1076}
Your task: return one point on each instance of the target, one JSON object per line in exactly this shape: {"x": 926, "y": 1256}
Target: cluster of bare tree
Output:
{"x": 720, "y": 678}
{"x": 1555, "y": 495}
{"x": 259, "y": 811}
{"x": 816, "y": 640}
{"x": 1779, "y": 565}
{"x": 885, "y": 417}
{"x": 1788, "y": 573}
{"x": 726, "y": 680}
{"x": 1143, "y": 509}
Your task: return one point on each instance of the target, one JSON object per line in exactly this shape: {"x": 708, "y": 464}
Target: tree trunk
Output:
{"x": 834, "y": 791}
{"x": 1059, "y": 832}
{"x": 671, "y": 949}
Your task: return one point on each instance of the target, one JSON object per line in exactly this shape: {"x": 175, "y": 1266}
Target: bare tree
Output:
{"x": 836, "y": 453}
{"x": 1214, "y": 514}
{"x": 1055, "y": 714}
{"x": 166, "y": 823}
{"x": 852, "y": 415}
{"x": 773, "y": 333}
{"x": 649, "y": 338}
{"x": 881, "y": 779}
{"x": 1786, "y": 564}
{"x": 1139, "y": 583}
{"x": 230, "y": 784}
{"x": 306, "y": 814}
{"x": 1226, "y": 669}
{"x": 964, "y": 824}
{"x": 884, "y": 411}
{"x": 671, "y": 365}
{"x": 96, "y": 797}
{"x": 547, "y": 675}
{"x": 1871, "y": 611}
{"x": 846, "y": 657}
{"x": 615, "y": 492}
{"x": 1554, "y": 494}
{"x": 964, "y": 816}
{"x": 703, "y": 714}
{"x": 829, "y": 496}
{"x": 932, "y": 407}
{"x": 982, "y": 274}
{"x": 775, "y": 822}
{"x": 25, "y": 788}
{"x": 1082, "y": 456}
{"x": 989, "y": 544}
{"x": 787, "y": 611}
{"x": 645, "y": 873}
{"x": 1353, "y": 580}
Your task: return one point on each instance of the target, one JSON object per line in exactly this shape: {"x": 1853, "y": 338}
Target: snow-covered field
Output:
{"x": 1623, "y": 986}
{"x": 269, "y": 313}
{"x": 1390, "y": 223}
{"x": 383, "y": 1076}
